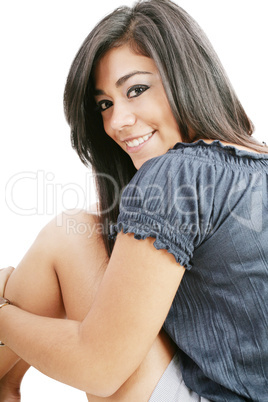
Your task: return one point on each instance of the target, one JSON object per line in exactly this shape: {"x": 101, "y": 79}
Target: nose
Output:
{"x": 122, "y": 116}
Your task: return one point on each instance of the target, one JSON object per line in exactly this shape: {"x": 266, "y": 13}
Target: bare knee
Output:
{"x": 79, "y": 258}
{"x": 77, "y": 223}
{"x": 74, "y": 241}
{"x": 71, "y": 230}
{"x": 58, "y": 260}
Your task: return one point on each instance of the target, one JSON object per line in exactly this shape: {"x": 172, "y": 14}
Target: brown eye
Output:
{"x": 104, "y": 105}
{"x": 136, "y": 90}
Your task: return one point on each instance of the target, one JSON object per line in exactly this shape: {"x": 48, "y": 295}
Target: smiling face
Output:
{"x": 134, "y": 106}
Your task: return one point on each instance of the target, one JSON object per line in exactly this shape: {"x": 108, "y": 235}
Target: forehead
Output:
{"x": 120, "y": 61}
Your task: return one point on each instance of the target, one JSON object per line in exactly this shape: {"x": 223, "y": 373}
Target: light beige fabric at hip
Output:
{"x": 171, "y": 387}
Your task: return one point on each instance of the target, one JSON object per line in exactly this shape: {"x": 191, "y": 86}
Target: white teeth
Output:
{"x": 135, "y": 143}
{"x": 138, "y": 141}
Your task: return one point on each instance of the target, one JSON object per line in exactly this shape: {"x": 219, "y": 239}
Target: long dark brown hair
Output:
{"x": 200, "y": 95}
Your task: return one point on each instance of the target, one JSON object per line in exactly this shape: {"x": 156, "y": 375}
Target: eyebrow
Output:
{"x": 121, "y": 81}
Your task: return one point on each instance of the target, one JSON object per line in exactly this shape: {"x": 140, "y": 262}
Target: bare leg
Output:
{"x": 59, "y": 276}
{"x": 57, "y": 251}
{"x": 10, "y": 383}
{"x": 34, "y": 285}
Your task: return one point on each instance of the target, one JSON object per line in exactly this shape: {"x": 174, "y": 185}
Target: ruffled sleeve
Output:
{"x": 170, "y": 198}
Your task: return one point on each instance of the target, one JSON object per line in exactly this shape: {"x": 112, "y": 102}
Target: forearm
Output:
{"x": 51, "y": 345}
{"x": 99, "y": 354}
{"x": 7, "y": 360}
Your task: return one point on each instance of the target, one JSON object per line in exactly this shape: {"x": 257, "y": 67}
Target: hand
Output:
{"x": 4, "y": 276}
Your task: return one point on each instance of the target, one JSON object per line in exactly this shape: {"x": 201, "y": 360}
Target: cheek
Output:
{"x": 159, "y": 107}
{"x": 107, "y": 126}
{"x": 167, "y": 116}
{"x": 108, "y": 130}
{"x": 166, "y": 110}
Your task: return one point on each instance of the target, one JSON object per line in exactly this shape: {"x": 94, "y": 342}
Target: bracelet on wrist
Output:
{"x": 3, "y": 302}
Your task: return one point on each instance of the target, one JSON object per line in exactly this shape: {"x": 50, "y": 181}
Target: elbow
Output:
{"x": 111, "y": 378}
{"x": 105, "y": 393}
{"x": 94, "y": 382}
{"x": 102, "y": 372}
{"x": 110, "y": 390}
{"x": 101, "y": 379}
{"x": 104, "y": 387}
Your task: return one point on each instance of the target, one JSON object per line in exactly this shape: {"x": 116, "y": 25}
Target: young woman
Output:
{"x": 176, "y": 307}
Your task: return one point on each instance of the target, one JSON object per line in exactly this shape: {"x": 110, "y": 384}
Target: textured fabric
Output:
{"x": 171, "y": 387}
{"x": 207, "y": 205}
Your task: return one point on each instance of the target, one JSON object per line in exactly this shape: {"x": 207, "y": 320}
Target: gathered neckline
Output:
{"x": 218, "y": 145}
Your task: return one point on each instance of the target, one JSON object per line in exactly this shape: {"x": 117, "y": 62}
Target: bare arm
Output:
{"x": 99, "y": 354}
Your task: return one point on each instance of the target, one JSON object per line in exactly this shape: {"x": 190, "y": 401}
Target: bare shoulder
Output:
{"x": 240, "y": 147}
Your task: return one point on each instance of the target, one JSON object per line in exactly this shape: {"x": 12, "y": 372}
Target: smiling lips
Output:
{"x": 138, "y": 141}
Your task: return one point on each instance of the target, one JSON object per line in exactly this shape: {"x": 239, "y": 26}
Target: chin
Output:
{"x": 138, "y": 164}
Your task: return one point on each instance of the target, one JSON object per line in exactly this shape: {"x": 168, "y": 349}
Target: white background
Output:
{"x": 39, "y": 40}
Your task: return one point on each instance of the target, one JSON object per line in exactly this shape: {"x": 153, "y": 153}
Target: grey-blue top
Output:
{"x": 207, "y": 204}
